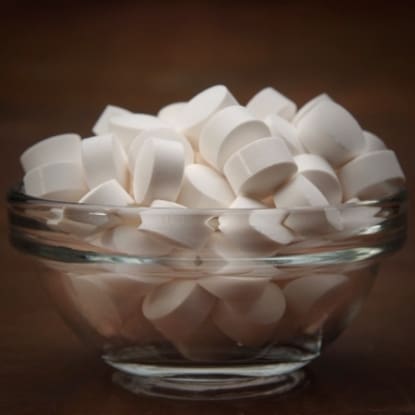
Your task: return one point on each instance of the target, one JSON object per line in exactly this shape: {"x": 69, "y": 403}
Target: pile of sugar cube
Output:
{"x": 212, "y": 152}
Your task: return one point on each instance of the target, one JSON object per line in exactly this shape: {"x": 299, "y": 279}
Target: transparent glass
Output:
{"x": 208, "y": 303}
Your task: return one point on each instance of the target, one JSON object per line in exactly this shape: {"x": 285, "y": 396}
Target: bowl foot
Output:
{"x": 210, "y": 386}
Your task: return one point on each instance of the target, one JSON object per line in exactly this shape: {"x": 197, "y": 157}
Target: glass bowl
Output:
{"x": 207, "y": 303}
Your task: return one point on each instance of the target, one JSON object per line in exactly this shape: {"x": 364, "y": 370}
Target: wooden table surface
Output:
{"x": 60, "y": 64}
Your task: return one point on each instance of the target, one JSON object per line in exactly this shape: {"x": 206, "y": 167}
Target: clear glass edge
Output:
{"x": 16, "y": 196}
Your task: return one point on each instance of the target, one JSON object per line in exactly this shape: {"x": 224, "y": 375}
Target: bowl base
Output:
{"x": 210, "y": 387}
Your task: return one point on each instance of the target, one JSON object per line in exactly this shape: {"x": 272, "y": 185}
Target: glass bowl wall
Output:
{"x": 208, "y": 303}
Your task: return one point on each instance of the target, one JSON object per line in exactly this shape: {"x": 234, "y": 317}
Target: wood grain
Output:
{"x": 62, "y": 62}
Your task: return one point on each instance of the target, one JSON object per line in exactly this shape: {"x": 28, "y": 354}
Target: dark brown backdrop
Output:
{"x": 60, "y": 64}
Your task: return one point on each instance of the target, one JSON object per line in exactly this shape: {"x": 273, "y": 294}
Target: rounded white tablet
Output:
{"x": 239, "y": 290}
{"x": 126, "y": 289}
{"x": 270, "y": 101}
{"x": 372, "y": 142}
{"x": 102, "y": 124}
{"x": 132, "y": 241}
{"x": 280, "y": 127}
{"x": 227, "y": 131}
{"x": 178, "y": 308}
{"x": 127, "y": 127}
{"x": 108, "y": 193}
{"x": 253, "y": 232}
{"x": 104, "y": 159}
{"x": 312, "y": 223}
{"x": 221, "y": 256}
{"x": 162, "y": 133}
{"x": 63, "y": 147}
{"x": 200, "y": 109}
{"x": 300, "y": 192}
{"x": 270, "y": 225}
{"x": 204, "y": 188}
{"x": 56, "y": 181}
{"x": 315, "y": 295}
{"x": 176, "y": 224}
{"x": 331, "y": 132}
{"x": 309, "y": 106}
{"x": 372, "y": 175}
{"x": 207, "y": 343}
{"x": 238, "y": 220}
{"x": 321, "y": 174}
{"x": 260, "y": 167}
{"x": 245, "y": 202}
{"x": 254, "y": 325}
{"x": 158, "y": 171}
{"x": 170, "y": 114}
{"x": 355, "y": 218}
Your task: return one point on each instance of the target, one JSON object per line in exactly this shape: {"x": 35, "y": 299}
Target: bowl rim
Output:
{"x": 16, "y": 196}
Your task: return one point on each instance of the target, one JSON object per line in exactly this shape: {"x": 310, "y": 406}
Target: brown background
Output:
{"x": 61, "y": 63}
